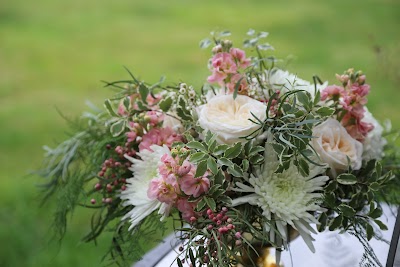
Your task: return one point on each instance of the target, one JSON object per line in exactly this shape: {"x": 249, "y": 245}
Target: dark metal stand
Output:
{"x": 394, "y": 243}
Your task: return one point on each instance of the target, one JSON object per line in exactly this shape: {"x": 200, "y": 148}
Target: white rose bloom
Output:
{"x": 284, "y": 81}
{"x": 336, "y": 147}
{"x": 373, "y": 142}
{"x": 216, "y": 92}
{"x": 229, "y": 118}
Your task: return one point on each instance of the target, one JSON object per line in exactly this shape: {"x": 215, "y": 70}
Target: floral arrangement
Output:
{"x": 252, "y": 157}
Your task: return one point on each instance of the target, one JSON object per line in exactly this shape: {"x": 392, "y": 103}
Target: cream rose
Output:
{"x": 228, "y": 118}
{"x": 336, "y": 147}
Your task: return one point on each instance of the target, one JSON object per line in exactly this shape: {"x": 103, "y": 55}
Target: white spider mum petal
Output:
{"x": 144, "y": 170}
{"x": 288, "y": 198}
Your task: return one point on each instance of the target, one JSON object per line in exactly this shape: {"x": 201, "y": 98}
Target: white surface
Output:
{"x": 332, "y": 249}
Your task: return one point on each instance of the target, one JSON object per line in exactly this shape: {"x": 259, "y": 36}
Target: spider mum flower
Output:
{"x": 144, "y": 169}
{"x": 286, "y": 198}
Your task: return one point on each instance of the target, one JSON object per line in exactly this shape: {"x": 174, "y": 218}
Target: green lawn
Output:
{"x": 54, "y": 54}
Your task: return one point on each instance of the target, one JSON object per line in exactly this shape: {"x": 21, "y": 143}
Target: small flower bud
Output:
{"x": 238, "y": 235}
{"x": 93, "y": 201}
{"x": 216, "y": 49}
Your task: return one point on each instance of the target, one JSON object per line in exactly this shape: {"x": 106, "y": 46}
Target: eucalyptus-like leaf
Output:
{"x": 325, "y": 111}
{"x": 370, "y": 232}
{"x": 257, "y": 159}
{"x": 245, "y": 165}
{"x": 110, "y": 109}
{"x": 117, "y": 128}
{"x": 346, "y": 179}
{"x": 303, "y": 167}
{"x": 251, "y": 32}
{"x": 225, "y": 162}
{"x": 233, "y": 151}
{"x": 201, "y": 204}
{"x": 255, "y": 150}
{"x": 197, "y": 157}
{"x": 347, "y": 210}
{"x": 323, "y": 219}
{"x": 375, "y": 213}
{"x": 127, "y": 103}
{"x": 165, "y": 104}
{"x": 381, "y": 225}
{"x": 220, "y": 149}
{"x": 201, "y": 169}
{"x": 212, "y": 165}
{"x": 197, "y": 145}
{"x": 210, "y": 203}
{"x": 235, "y": 170}
{"x": 205, "y": 43}
{"x": 144, "y": 92}
{"x": 336, "y": 223}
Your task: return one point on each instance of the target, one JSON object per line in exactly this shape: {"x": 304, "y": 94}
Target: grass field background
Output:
{"x": 54, "y": 54}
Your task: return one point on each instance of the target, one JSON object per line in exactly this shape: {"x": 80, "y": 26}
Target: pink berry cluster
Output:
{"x": 177, "y": 183}
{"x": 221, "y": 222}
{"x": 226, "y": 66}
{"x": 113, "y": 173}
{"x": 351, "y": 99}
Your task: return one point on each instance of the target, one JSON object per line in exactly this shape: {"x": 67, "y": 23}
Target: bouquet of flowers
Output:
{"x": 255, "y": 156}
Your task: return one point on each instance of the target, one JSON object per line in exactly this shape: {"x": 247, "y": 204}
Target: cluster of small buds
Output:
{"x": 220, "y": 221}
{"x": 222, "y": 46}
{"x": 350, "y": 100}
{"x": 189, "y": 94}
{"x": 350, "y": 76}
{"x": 112, "y": 173}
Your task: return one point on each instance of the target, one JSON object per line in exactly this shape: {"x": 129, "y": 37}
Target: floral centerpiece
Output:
{"x": 251, "y": 157}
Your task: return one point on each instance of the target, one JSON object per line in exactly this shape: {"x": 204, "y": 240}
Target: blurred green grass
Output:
{"x": 54, "y": 54}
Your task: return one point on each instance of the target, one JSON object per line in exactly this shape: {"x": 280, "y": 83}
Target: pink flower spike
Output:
{"x": 234, "y": 80}
{"x": 159, "y": 136}
{"x": 240, "y": 56}
{"x": 217, "y": 77}
{"x": 184, "y": 169}
{"x": 332, "y": 92}
{"x": 186, "y": 208}
{"x": 194, "y": 186}
{"x": 161, "y": 190}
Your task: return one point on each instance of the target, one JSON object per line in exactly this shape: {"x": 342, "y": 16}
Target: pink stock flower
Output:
{"x": 354, "y": 125}
{"x": 154, "y": 117}
{"x": 360, "y": 90}
{"x": 192, "y": 186}
{"x": 159, "y": 136}
{"x": 186, "y": 208}
{"x": 332, "y": 92}
{"x": 169, "y": 164}
{"x": 240, "y": 56}
{"x": 162, "y": 191}
{"x": 217, "y": 77}
{"x": 184, "y": 169}
{"x": 222, "y": 64}
{"x": 131, "y": 136}
{"x": 237, "y": 78}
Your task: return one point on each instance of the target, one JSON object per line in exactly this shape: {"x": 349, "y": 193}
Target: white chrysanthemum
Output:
{"x": 285, "y": 198}
{"x": 144, "y": 170}
{"x": 284, "y": 81}
{"x": 374, "y": 142}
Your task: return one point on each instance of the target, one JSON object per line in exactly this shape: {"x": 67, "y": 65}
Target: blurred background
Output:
{"x": 54, "y": 54}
